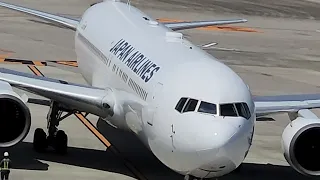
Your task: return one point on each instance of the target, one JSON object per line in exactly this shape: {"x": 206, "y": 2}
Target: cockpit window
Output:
{"x": 206, "y": 107}
{"x": 237, "y": 109}
{"x": 181, "y": 104}
{"x": 243, "y": 110}
{"x": 247, "y": 110}
{"x": 191, "y": 105}
{"x": 228, "y": 110}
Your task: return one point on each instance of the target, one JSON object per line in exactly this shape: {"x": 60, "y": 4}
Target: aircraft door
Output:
{"x": 156, "y": 100}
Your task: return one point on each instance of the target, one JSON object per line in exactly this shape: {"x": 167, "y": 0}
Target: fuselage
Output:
{"x": 197, "y": 115}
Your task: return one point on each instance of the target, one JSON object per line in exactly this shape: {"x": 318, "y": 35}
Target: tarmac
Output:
{"x": 275, "y": 52}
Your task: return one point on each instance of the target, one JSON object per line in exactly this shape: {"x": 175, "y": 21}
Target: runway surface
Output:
{"x": 280, "y": 55}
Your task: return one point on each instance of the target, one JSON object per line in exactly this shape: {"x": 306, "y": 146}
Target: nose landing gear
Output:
{"x": 190, "y": 177}
{"x": 57, "y": 139}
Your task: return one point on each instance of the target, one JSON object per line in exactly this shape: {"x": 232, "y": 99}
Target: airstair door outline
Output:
{"x": 155, "y": 101}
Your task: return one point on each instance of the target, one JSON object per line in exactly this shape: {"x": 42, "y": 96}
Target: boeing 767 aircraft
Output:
{"x": 198, "y": 124}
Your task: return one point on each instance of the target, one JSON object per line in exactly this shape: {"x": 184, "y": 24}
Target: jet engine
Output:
{"x": 15, "y": 118}
{"x": 301, "y": 145}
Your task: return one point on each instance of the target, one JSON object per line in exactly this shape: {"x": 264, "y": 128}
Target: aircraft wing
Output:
{"x": 77, "y": 97}
{"x": 175, "y": 26}
{"x": 71, "y": 66}
{"x": 73, "y": 23}
{"x": 60, "y": 20}
{"x": 266, "y": 105}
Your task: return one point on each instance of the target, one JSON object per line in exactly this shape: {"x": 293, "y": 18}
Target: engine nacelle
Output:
{"x": 301, "y": 145}
{"x": 15, "y": 118}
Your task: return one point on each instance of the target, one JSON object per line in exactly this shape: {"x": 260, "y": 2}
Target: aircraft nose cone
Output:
{"x": 214, "y": 137}
{"x": 228, "y": 147}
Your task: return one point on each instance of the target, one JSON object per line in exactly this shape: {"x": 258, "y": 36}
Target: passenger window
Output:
{"x": 180, "y": 104}
{"x": 206, "y": 107}
{"x": 228, "y": 110}
{"x": 242, "y": 111}
{"x": 191, "y": 105}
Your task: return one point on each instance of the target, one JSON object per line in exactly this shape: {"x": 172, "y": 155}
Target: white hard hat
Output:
{"x": 6, "y": 154}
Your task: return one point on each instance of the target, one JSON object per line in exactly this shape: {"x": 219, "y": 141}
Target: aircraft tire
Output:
{"x": 61, "y": 142}
{"x": 188, "y": 177}
{"x": 39, "y": 140}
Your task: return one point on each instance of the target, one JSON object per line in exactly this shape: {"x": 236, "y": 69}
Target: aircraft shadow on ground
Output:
{"x": 23, "y": 157}
{"x": 265, "y": 119}
{"x": 251, "y": 171}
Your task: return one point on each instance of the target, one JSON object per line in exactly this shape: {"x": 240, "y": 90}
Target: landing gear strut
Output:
{"x": 55, "y": 138}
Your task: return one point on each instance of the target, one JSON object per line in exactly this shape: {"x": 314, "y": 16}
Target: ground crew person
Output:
{"x": 5, "y": 166}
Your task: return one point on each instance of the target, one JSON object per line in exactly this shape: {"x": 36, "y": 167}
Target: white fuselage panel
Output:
{"x": 122, "y": 48}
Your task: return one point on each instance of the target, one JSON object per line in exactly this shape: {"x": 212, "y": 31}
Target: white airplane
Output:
{"x": 194, "y": 113}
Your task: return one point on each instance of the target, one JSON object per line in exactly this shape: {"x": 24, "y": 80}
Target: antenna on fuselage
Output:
{"x": 129, "y": 4}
